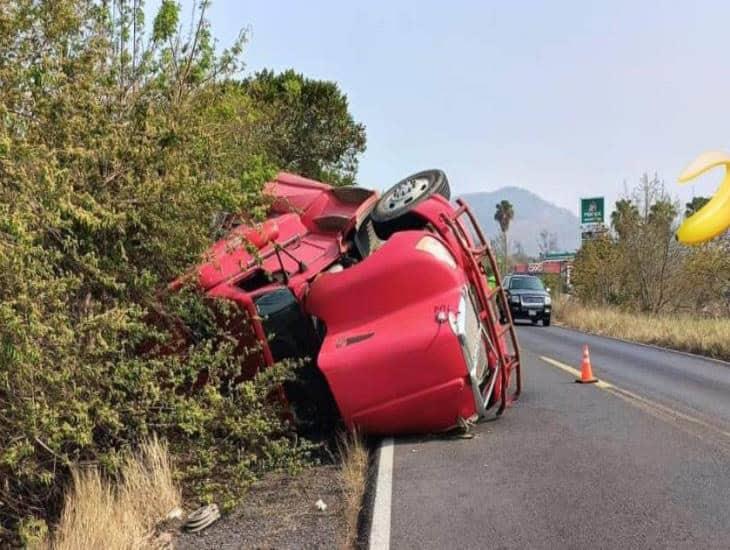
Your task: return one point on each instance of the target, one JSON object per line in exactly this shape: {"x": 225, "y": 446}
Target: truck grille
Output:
{"x": 474, "y": 343}
{"x": 537, "y": 300}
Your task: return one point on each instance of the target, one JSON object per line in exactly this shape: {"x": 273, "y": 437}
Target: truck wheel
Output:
{"x": 409, "y": 192}
{"x": 546, "y": 322}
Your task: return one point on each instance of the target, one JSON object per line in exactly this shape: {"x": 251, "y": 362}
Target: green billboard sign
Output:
{"x": 591, "y": 210}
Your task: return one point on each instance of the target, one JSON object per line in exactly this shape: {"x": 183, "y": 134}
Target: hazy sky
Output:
{"x": 567, "y": 99}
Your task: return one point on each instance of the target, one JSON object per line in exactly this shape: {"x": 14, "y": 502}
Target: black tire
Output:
{"x": 535, "y": 321}
{"x": 404, "y": 195}
{"x": 546, "y": 322}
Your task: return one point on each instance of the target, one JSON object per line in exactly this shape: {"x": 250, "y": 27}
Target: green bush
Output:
{"x": 116, "y": 153}
{"x": 640, "y": 266}
{"x": 554, "y": 282}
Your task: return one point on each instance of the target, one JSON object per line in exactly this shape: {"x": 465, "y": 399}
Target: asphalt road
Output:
{"x": 641, "y": 461}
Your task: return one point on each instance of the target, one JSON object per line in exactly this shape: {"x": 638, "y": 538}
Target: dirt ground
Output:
{"x": 280, "y": 512}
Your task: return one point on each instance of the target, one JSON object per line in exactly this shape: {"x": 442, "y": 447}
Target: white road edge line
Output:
{"x": 380, "y": 526}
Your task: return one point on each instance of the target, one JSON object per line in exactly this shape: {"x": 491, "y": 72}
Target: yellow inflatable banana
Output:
{"x": 714, "y": 217}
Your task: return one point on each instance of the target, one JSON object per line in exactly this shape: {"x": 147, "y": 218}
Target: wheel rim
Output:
{"x": 405, "y": 193}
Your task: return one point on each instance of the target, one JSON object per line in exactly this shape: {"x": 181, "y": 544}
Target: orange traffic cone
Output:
{"x": 586, "y": 371}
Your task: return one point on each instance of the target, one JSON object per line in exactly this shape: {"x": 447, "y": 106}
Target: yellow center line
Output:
{"x": 647, "y": 405}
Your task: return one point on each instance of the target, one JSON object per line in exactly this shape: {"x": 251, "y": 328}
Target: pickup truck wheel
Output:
{"x": 546, "y": 322}
{"x": 407, "y": 193}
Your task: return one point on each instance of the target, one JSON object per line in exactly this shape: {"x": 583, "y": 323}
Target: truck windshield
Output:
{"x": 290, "y": 332}
{"x": 526, "y": 283}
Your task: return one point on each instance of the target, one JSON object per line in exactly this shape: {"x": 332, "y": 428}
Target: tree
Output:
{"x": 596, "y": 272}
{"x": 694, "y": 205}
{"x": 519, "y": 255}
{"x": 639, "y": 267}
{"x": 547, "y": 242}
{"x": 504, "y": 215}
{"x": 305, "y": 125}
{"x": 652, "y": 254}
{"x": 642, "y": 267}
{"x": 625, "y": 217}
{"x": 704, "y": 284}
{"x": 115, "y": 153}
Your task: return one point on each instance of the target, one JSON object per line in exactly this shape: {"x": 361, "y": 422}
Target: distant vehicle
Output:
{"x": 528, "y": 298}
{"x": 386, "y": 300}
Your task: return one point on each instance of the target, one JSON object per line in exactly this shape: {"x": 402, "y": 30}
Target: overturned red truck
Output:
{"x": 385, "y": 298}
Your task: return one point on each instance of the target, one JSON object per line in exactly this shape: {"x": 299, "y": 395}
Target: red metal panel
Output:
{"x": 551, "y": 267}
{"x": 392, "y": 362}
{"x": 396, "y": 380}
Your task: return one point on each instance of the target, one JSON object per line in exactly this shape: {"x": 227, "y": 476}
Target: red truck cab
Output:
{"x": 385, "y": 298}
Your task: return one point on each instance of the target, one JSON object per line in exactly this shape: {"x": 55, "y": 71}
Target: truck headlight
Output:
{"x": 436, "y": 248}
{"x": 548, "y": 300}
{"x": 514, "y": 299}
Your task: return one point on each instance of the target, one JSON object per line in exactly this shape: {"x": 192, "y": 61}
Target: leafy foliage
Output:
{"x": 306, "y": 126}
{"x": 115, "y": 155}
{"x": 642, "y": 267}
{"x": 547, "y": 242}
{"x": 694, "y": 205}
{"x": 504, "y": 215}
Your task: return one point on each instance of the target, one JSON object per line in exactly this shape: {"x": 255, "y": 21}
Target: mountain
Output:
{"x": 532, "y": 215}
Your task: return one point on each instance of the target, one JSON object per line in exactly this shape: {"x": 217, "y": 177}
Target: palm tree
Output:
{"x": 503, "y": 216}
{"x": 625, "y": 217}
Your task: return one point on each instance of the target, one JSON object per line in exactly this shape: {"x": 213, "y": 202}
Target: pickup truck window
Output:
{"x": 525, "y": 283}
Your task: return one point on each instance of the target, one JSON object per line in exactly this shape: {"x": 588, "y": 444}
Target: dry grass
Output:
{"x": 353, "y": 479}
{"x": 704, "y": 336}
{"x": 119, "y": 514}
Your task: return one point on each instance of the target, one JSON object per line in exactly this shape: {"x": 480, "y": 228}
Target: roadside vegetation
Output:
{"x": 353, "y": 474}
{"x": 683, "y": 332}
{"x": 637, "y": 282}
{"x": 120, "y": 512}
{"x": 120, "y": 142}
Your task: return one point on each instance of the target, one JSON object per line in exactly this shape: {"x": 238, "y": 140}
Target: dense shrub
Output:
{"x": 640, "y": 266}
{"x": 315, "y": 135}
{"x": 117, "y": 149}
